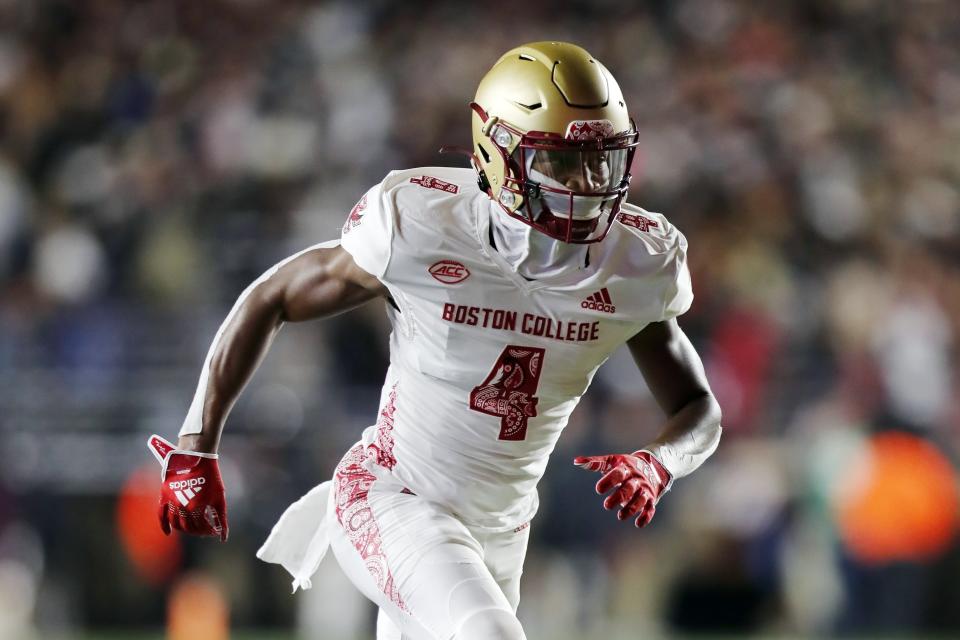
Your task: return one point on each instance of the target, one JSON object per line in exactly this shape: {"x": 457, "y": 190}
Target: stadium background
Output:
{"x": 157, "y": 155}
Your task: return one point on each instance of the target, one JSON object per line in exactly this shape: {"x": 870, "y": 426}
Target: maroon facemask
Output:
{"x": 572, "y": 185}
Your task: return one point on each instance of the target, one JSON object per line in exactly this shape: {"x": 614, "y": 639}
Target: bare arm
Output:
{"x": 317, "y": 283}
{"x": 673, "y": 371}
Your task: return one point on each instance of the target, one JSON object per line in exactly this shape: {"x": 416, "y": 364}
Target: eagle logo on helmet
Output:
{"x": 589, "y": 130}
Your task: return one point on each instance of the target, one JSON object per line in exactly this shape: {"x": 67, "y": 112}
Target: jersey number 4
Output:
{"x": 508, "y": 392}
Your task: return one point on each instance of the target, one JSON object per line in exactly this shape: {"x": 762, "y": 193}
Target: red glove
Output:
{"x": 192, "y": 498}
{"x": 638, "y": 480}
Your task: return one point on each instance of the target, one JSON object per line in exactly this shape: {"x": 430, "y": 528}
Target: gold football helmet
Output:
{"x": 552, "y": 140}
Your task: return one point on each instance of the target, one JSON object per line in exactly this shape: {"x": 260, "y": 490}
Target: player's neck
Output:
{"x": 533, "y": 254}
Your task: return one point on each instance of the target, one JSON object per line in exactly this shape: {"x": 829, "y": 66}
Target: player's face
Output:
{"x": 581, "y": 171}
{"x": 577, "y": 188}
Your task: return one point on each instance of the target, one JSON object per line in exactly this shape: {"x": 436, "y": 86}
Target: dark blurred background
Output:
{"x": 157, "y": 155}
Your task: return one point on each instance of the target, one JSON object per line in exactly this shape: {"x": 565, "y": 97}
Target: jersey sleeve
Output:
{"x": 367, "y": 233}
{"x": 678, "y": 294}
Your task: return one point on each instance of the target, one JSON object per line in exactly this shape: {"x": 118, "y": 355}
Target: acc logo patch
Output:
{"x": 449, "y": 271}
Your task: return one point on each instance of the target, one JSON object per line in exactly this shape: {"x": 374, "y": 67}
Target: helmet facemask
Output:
{"x": 567, "y": 187}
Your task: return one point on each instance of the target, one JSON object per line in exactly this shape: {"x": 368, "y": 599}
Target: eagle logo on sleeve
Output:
{"x": 356, "y": 214}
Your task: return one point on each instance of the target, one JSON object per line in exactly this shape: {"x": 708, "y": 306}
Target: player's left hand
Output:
{"x": 638, "y": 480}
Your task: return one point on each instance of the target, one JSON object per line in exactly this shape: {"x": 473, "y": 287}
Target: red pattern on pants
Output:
{"x": 381, "y": 449}
{"x": 352, "y": 483}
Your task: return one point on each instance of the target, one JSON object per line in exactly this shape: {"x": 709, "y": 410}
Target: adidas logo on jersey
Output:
{"x": 600, "y": 301}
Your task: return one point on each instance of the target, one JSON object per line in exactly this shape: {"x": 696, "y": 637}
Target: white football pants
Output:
{"x": 431, "y": 576}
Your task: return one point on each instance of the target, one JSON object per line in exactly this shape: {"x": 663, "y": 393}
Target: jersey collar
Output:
{"x": 526, "y": 258}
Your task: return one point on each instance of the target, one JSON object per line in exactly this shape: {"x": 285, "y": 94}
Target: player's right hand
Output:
{"x": 192, "y": 498}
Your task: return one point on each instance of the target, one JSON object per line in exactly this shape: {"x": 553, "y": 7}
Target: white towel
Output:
{"x": 301, "y": 537}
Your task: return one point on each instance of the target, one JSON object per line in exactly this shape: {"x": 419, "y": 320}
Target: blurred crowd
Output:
{"x": 156, "y": 156}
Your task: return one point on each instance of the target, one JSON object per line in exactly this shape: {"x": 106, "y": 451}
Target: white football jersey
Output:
{"x": 486, "y": 366}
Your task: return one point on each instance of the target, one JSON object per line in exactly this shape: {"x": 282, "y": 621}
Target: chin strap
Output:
{"x": 482, "y": 180}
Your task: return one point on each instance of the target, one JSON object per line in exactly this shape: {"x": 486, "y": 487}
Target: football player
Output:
{"x": 507, "y": 286}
